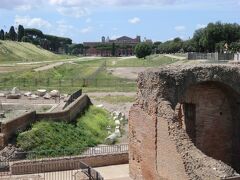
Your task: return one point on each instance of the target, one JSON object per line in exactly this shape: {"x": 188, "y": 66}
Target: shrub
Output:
{"x": 143, "y": 49}
{"x": 61, "y": 138}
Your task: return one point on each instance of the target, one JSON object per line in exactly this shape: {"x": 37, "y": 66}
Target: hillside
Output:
{"x": 12, "y": 51}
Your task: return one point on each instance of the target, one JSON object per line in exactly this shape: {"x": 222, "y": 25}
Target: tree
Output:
{"x": 1, "y": 34}
{"x": 235, "y": 47}
{"x": 34, "y": 33}
{"x": 113, "y": 50}
{"x": 20, "y": 32}
{"x": 143, "y": 49}
{"x": 26, "y": 39}
{"x": 211, "y": 38}
{"x": 12, "y": 34}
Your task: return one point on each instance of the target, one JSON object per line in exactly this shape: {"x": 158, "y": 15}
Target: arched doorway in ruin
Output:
{"x": 212, "y": 120}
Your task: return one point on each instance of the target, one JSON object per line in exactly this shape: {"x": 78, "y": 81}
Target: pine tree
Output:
{"x": 20, "y": 32}
{"x": 12, "y": 34}
{"x": 1, "y": 34}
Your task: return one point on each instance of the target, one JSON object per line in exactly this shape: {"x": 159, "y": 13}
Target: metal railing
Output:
{"x": 82, "y": 152}
{"x": 91, "y": 173}
{"x": 35, "y": 164}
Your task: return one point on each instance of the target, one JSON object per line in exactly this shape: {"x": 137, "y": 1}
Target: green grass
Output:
{"x": 80, "y": 74}
{"x": 47, "y": 138}
{"x": 12, "y": 51}
{"x": 150, "y": 61}
{"x": 116, "y": 99}
{"x": 67, "y": 77}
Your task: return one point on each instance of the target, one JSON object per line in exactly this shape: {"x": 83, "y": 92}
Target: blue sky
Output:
{"x": 88, "y": 20}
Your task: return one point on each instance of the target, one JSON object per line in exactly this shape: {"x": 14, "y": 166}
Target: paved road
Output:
{"x": 117, "y": 172}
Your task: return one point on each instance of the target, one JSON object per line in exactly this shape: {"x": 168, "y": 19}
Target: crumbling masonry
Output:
{"x": 185, "y": 123}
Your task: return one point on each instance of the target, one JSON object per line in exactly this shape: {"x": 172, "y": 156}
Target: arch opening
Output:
{"x": 211, "y": 118}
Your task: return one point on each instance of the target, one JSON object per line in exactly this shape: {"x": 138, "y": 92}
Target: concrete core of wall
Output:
{"x": 185, "y": 123}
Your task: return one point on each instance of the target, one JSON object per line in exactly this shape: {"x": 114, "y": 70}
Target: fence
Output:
{"x": 15, "y": 165}
{"x": 63, "y": 83}
{"x": 210, "y": 56}
{"x": 91, "y": 173}
{"x": 90, "y": 151}
{"x": 237, "y": 57}
{"x": 79, "y": 171}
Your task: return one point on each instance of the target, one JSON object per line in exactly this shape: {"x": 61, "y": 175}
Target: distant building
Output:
{"x": 123, "y": 46}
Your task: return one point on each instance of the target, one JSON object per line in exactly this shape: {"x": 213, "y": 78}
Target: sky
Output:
{"x": 89, "y": 20}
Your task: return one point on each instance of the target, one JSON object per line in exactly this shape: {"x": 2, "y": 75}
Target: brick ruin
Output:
{"x": 185, "y": 123}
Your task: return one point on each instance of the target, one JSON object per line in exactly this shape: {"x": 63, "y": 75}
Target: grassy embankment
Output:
{"x": 12, "y": 51}
{"x": 51, "y": 139}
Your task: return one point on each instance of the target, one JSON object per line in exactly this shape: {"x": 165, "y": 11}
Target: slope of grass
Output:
{"x": 118, "y": 99}
{"x": 47, "y": 138}
{"x": 11, "y": 51}
{"x": 150, "y": 61}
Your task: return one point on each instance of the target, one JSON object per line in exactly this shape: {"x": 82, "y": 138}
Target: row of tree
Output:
{"x": 35, "y": 36}
{"x": 216, "y": 37}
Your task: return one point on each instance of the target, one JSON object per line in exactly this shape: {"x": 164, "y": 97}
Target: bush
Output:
{"x": 142, "y": 50}
{"x": 61, "y": 138}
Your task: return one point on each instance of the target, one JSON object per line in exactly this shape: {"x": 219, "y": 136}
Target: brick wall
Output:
{"x": 66, "y": 163}
{"x": 9, "y": 128}
{"x": 69, "y": 113}
{"x": 160, "y": 144}
{"x": 213, "y": 123}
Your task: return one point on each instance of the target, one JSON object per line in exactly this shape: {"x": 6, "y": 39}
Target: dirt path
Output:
{"x": 50, "y": 66}
{"x": 59, "y": 63}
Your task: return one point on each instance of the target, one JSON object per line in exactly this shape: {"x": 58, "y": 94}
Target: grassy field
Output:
{"x": 116, "y": 99}
{"x": 90, "y": 75}
{"x": 150, "y": 61}
{"x": 60, "y": 138}
{"x": 25, "y": 52}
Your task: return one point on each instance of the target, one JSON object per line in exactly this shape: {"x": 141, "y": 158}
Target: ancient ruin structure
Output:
{"x": 124, "y": 46}
{"x": 185, "y": 123}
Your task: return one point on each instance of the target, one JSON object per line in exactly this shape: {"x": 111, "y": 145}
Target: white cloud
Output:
{"x": 199, "y": 26}
{"x": 81, "y": 3}
{"x": 21, "y": 5}
{"x": 76, "y": 12}
{"x": 32, "y": 22}
{"x": 63, "y": 28}
{"x": 26, "y": 4}
{"x": 180, "y": 28}
{"x": 86, "y": 30}
{"x": 134, "y": 20}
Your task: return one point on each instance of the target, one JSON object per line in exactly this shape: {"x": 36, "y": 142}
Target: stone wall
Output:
{"x": 73, "y": 97}
{"x": 69, "y": 113}
{"x": 10, "y": 128}
{"x": 18, "y": 124}
{"x": 66, "y": 163}
{"x": 161, "y": 147}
